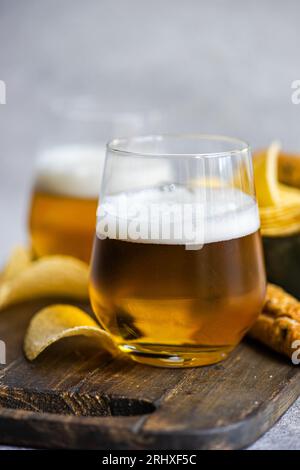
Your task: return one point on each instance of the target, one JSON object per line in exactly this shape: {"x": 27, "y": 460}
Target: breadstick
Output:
{"x": 278, "y": 326}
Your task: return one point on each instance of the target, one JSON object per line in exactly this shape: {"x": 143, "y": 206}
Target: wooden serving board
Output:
{"x": 74, "y": 396}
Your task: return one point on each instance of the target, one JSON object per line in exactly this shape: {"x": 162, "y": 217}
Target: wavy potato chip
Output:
{"x": 280, "y": 231}
{"x": 51, "y": 276}
{"x": 56, "y": 322}
{"x": 289, "y": 195}
{"x": 266, "y": 176}
{"x": 279, "y": 204}
{"x": 20, "y": 259}
{"x": 280, "y": 210}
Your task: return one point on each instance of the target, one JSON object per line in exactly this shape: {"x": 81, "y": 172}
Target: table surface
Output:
{"x": 217, "y": 67}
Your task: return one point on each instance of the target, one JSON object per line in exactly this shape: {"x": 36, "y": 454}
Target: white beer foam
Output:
{"x": 226, "y": 213}
{"x": 76, "y": 171}
{"x": 71, "y": 170}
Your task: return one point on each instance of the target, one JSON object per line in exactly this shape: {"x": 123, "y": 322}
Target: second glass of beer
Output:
{"x": 177, "y": 275}
{"x": 68, "y": 174}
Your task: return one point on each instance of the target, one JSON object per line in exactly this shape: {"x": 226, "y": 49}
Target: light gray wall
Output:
{"x": 215, "y": 66}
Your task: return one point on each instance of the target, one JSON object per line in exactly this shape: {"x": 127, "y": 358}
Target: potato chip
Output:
{"x": 266, "y": 176}
{"x": 279, "y": 204}
{"x": 280, "y": 209}
{"x": 283, "y": 231}
{"x": 289, "y": 169}
{"x": 51, "y": 276}
{"x": 56, "y": 322}
{"x": 279, "y": 218}
{"x": 20, "y": 259}
{"x": 289, "y": 195}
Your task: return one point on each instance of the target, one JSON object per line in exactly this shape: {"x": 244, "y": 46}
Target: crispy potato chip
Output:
{"x": 62, "y": 321}
{"x": 289, "y": 195}
{"x": 280, "y": 209}
{"x": 266, "y": 176}
{"x": 20, "y": 259}
{"x": 51, "y": 276}
{"x": 279, "y": 204}
{"x": 280, "y": 217}
{"x": 276, "y": 231}
{"x": 289, "y": 169}
{"x": 279, "y": 222}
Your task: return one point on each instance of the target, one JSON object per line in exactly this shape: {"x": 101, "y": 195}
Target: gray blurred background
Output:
{"x": 207, "y": 66}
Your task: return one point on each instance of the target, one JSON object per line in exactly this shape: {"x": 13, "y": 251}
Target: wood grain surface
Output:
{"x": 75, "y": 396}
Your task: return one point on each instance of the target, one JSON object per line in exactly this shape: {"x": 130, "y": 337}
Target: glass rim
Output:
{"x": 117, "y": 145}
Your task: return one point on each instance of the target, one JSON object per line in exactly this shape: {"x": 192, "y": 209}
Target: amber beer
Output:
{"x": 64, "y": 202}
{"x": 176, "y": 306}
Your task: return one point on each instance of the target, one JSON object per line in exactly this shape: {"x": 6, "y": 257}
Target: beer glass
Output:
{"x": 68, "y": 174}
{"x": 177, "y": 272}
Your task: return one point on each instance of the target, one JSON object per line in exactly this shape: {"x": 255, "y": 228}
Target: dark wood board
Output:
{"x": 74, "y": 396}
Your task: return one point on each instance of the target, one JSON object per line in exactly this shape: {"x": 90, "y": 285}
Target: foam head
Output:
{"x": 73, "y": 170}
{"x": 177, "y": 215}
{"x": 77, "y": 170}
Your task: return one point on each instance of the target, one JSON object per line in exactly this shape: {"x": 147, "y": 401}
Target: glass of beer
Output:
{"x": 177, "y": 272}
{"x": 68, "y": 174}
